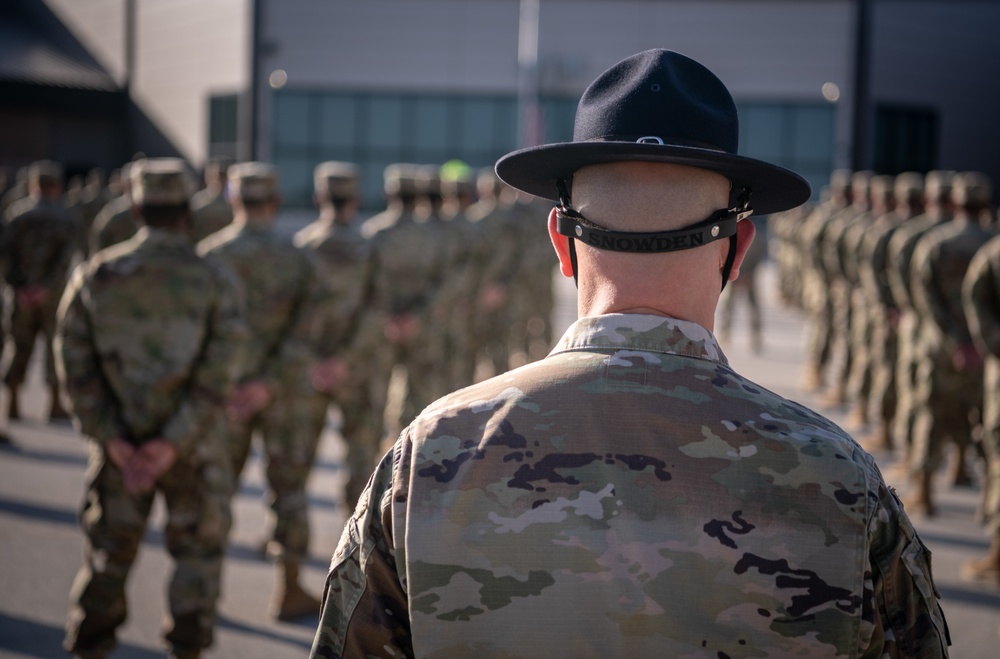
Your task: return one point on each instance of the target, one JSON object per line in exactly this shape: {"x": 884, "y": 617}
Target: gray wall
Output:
{"x": 185, "y": 51}
{"x": 944, "y": 55}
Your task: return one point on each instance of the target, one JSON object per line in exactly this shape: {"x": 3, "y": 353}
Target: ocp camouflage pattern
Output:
{"x": 629, "y": 495}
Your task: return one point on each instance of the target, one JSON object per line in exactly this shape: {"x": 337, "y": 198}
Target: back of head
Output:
{"x": 46, "y": 177}
{"x": 254, "y": 184}
{"x": 217, "y": 168}
{"x": 161, "y": 189}
{"x": 880, "y": 190}
{"x": 908, "y": 188}
{"x": 937, "y": 186}
{"x": 400, "y": 181}
{"x": 971, "y": 190}
{"x": 336, "y": 182}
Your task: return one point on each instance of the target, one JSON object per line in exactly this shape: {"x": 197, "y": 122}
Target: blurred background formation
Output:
{"x": 374, "y": 127}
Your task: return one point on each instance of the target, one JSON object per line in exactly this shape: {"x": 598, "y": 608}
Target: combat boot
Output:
{"x": 959, "y": 473}
{"x": 836, "y": 396}
{"x": 184, "y": 654}
{"x": 880, "y": 440}
{"x": 13, "y": 404}
{"x": 56, "y": 410}
{"x": 813, "y": 380}
{"x": 290, "y": 600}
{"x": 919, "y": 500}
{"x": 986, "y": 568}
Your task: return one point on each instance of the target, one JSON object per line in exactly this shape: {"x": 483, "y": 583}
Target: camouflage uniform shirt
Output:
{"x": 150, "y": 338}
{"x": 629, "y": 495}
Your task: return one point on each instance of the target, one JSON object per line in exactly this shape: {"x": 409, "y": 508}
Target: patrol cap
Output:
{"x": 488, "y": 183}
{"x": 457, "y": 179}
{"x": 655, "y": 106}
{"x": 881, "y": 187}
{"x": 908, "y": 187}
{"x": 840, "y": 181}
{"x": 336, "y": 180}
{"x": 400, "y": 179}
{"x": 428, "y": 180}
{"x": 937, "y": 185}
{"x": 971, "y": 189}
{"x": 218, "y": 166}
{"x": 254, "y": 181}
{"x": 45, "y": 171}
{"x": 159, "y": 182}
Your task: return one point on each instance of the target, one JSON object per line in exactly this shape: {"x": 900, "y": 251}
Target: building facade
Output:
{"x": 884, "y": 84}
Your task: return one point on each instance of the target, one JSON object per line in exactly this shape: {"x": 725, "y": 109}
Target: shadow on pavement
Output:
{"x": 36, "y": 639}
{"x": 250, "y": 630}
{"x": 44, "y": 456}
{"x": 971, "y": 596}
{"x": 39, "y": 512}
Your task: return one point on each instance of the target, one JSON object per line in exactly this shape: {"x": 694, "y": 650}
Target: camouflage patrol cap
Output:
{"x": 937, "y": 185}
{"x": 45, "y": 171}
{"x": 160, "y": 182}
{"x": 218, "y": 166}
{"x": 428, "y": 180}
{"x": 908, "y": 187}
{"x": 400, "y": 179}
{"x": 336, "y": 180}
{"x": 254, "y": 181}
{"x": 971, "y": 188}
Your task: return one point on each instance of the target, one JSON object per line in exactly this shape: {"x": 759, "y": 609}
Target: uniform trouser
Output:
{"x": 745, "y": 286}
{"x": 843, "y": 313}
{"x": 991, "y": 444}
{"x": 861, "y": 347}
{"x": 114, "y": 523}
{"x": 816, "y": 296}
{"x": 948, "y": 406}
{"x": 25, "y": 325}
{"x": 360, "y": 429}
{"x": 906, "y": 379}
{"x": 885, "y": 345}
{"x": 290, "y": 450}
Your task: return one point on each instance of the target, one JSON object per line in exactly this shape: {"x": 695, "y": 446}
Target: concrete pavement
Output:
{"x": 42, "y": 481}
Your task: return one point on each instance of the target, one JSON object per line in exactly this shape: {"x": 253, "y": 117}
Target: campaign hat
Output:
{"x": 656, "y": 106}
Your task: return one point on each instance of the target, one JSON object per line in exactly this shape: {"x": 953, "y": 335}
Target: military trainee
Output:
{"x": 949, "y": 392}
{"x": 630, "y": 494}
{"x": 981, "y": 299}
{"x": 148, "y": 346}
{"x": 343, "y": 335}
{"x": 38, "y": 242}
{"x": 279, "y": 285}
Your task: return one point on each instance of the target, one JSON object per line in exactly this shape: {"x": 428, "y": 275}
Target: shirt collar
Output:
{"x": 641, "y": 332}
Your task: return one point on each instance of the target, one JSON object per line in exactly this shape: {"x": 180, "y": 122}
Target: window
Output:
{"x": 376, "y": 129}
{"x": 223, "y": 125}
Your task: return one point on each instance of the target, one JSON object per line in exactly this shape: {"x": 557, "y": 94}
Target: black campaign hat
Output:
{"x": 656, "y": 106}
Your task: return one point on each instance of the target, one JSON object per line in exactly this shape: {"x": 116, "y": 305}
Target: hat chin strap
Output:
{"x": 721, "y": 224}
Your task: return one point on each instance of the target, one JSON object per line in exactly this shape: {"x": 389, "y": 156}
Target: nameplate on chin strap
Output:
{"x": 722, "y": 224}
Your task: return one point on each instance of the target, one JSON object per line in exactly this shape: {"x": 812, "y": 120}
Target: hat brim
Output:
{"x": 536, "y": 169}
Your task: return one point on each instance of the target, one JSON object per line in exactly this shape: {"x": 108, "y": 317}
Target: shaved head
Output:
{"x": 647, "y": 196}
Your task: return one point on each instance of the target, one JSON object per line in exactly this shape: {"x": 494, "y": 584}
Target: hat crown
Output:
{"x": 659, "y": 95}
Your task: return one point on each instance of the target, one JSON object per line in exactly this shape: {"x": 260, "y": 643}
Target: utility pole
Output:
{"x": 862, "y": 110}
{"x": 529, "y": 111}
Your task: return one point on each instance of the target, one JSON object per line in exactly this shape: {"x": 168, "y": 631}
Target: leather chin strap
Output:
{"x": 721, "y": 224}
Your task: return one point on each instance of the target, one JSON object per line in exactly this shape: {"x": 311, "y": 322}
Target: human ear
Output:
{"x": 745, "y": 232}
{"x": 561, "y": 244}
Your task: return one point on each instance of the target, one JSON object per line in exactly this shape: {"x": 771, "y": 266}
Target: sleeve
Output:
{"x": 287, "y": 363}
{"x": 926, "y": 291}
{"x": 907, "y": 616}
{"x": 65, "y": 237}
{"x": 218, "y": 367}
{"x": 365, "y": 607}
{"x": 92, "y": 403}
{"x": 981, "y": 300}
